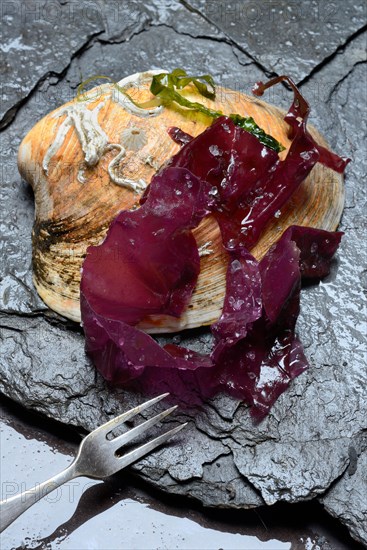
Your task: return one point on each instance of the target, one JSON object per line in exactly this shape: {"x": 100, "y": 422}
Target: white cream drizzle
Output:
{"x": 90, "y": 134}
{"x": 56, "y": 144}
{"x": 134, "y": 81}
{"x": 204, "y": 249}
{"x": 113, "y": 170}
{"x": 81, "y": 177}
{"x": 92, "y": 138}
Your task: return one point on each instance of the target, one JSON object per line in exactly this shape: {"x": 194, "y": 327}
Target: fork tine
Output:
{"x": 114, "y": 422}
{"x": 122, "y": 439}
{"x": 135, "y": 454}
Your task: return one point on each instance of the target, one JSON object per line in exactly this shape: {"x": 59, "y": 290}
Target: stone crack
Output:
{"x": 330, "y": 57}
{"x": 268, "y": 72}
{"x": 11, "y": 113}
{"x": 336, "y": 86}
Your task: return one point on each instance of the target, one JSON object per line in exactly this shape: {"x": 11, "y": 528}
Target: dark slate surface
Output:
{"x": 34, "y": 46}
{"x": 313, "y": 438}
{"x": 294, "y": 38}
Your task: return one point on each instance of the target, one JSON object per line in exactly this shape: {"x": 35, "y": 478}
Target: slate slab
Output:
{"x": 286, "y": 37}
{"x": 312, "y": 438}
{"x": 39, "y": 39}
{"x": 34, "y": 44}
{"x": 346, "y": 500}
{"x": 339, "y": 108}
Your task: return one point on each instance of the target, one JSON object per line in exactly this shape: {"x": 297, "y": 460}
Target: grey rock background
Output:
{"x": 313, "y": 443}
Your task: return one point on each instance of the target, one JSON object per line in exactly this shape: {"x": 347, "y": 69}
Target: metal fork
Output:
{"x": 97, "y": 458}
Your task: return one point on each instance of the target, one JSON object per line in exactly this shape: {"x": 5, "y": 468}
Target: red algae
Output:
{"x": 149, "y": 264}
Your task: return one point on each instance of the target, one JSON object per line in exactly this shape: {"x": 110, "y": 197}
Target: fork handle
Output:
{"x": 13, "y": 507}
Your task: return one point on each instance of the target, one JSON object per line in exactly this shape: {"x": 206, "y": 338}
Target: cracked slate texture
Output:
{"x": 34, "y": 46}
{"x": 222, "y": 459}
{"x": 40, "y": 39}
{"x": 346, "y": 500}
{"x": 286, "y": 37}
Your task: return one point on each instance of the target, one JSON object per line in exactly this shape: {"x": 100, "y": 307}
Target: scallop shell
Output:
{"x": 77, "y": 176}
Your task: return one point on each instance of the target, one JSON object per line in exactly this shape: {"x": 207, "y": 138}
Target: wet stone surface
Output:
{"x": 312, "y": 440}
{"x": 295, "y": 38}
{"x": 91, "y": 510}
